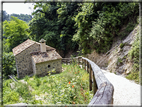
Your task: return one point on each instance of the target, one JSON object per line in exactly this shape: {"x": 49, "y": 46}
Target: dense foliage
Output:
{"x": 24, "y": 17}
{"x": 71, "y": 26}
{"x": 5, "y": 16}
{"x": 8, "y": 67}
{"x": 14, "y": 32}
{"x": 99, "y": 23}
{"x": 134, "y": 57}
{"x": 53, "y": 22}
{"x": 68, "y": 87}
{"x": 90, "y": 25}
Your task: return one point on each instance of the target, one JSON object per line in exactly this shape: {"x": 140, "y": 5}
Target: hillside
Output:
{"x": 117, "y": 60}
{"x": 95, "y": 30}
{"x": 106, "y": 33}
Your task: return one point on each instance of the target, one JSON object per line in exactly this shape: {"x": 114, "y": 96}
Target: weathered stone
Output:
{"x": 131, "y": 37}
{"x": 126, "y": 49}
{"x": 24, "y": 61}
{"x": 127, "y": 72}
{"x": 121, "y": 69}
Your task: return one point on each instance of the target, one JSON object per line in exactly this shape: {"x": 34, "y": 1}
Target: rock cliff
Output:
{"x": 116, "y": 60}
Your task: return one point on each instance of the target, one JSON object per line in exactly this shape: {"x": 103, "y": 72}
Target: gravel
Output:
{"x": 126, "y": 92}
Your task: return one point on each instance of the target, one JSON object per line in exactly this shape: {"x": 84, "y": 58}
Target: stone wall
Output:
{"x": 43, "y": 68}
{"x": 24, "y": 62}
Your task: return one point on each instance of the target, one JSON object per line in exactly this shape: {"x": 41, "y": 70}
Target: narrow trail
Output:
{"x": 126, "y": 92}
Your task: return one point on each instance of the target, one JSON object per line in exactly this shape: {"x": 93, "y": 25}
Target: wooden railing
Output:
{"x": 102, "y": 88}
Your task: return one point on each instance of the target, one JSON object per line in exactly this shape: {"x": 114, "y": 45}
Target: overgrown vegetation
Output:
{"x": 70, "y": 27}
{"x": 9, "y": 67}
{"x": 14, "y": 33}
{"x": 134, "y": 57}
{"x": 99, "y": 23}
{"x": 69, "y": 87}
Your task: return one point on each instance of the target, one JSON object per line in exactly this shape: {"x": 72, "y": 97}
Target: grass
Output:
{"x": 69, "y": 87}
{"x": 133, "y": 55}
{"x": 133, "y": 76}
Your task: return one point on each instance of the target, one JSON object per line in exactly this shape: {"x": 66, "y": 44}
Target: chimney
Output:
{"x": 42, "y": 45}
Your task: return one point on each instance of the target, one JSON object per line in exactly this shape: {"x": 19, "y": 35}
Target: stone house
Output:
{"x": 36, "y": 58}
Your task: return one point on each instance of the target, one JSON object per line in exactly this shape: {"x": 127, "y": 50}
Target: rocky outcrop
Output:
{"x": 116, "y": 60}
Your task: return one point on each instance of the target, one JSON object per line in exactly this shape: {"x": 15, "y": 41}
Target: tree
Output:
{"x": 5, "y": 15}
{"x": 8, "y": 67}
{"x": 99, "y": 23}
{"x": 23, "y": 17}
{"x": 15, "y": 32}
{"x": 53, "y": 22}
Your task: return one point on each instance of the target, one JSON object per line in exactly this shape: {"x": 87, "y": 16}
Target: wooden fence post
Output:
{"x": 70, "y": 60}
{"x": 94, "y": 84}
{"x": 78, "y": 61}
{"x": 66, "y": 62}
{"x": 90, "y": 77}
{"x": 86, "y": 65}
{"x": 82, "y": 63}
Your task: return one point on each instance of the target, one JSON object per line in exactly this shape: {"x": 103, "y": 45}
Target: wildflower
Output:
{"x": 72, "y": 86}
{"x": 75, "y": 72}
{"x": 69, "y": 82}
{"x": 73, "y": 102}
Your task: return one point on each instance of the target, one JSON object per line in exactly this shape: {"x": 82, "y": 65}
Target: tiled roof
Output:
{"x": 18, "y": 49}
{"x": 39, "y": 57}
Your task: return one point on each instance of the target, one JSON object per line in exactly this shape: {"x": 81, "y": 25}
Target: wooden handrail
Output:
{"x": 102, "y": 88}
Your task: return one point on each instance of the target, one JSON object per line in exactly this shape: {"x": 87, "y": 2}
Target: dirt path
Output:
{"x": 126, "y": 92}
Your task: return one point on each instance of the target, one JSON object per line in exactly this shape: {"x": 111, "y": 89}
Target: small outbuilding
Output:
{"x": 36, "y": 58}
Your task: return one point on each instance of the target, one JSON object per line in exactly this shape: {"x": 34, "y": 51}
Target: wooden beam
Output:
{"x": 94, "y": 85}
{"x": 90, "y": 78}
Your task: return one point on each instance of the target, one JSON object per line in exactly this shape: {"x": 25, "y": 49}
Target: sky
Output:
{"x": 18, "y": 8}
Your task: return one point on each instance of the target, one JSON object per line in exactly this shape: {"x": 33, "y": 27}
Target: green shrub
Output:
{"x": 23, "y": 90}
{"x": 26, "y": 78}
{"x": 8, "y": 67}
{"x": 134, "y": 57}
{"x": 10, "y": 97}
{"x": 69, "y": 87}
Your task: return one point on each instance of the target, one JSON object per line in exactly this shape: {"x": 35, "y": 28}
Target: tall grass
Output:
{"x": 69, "y": 87}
